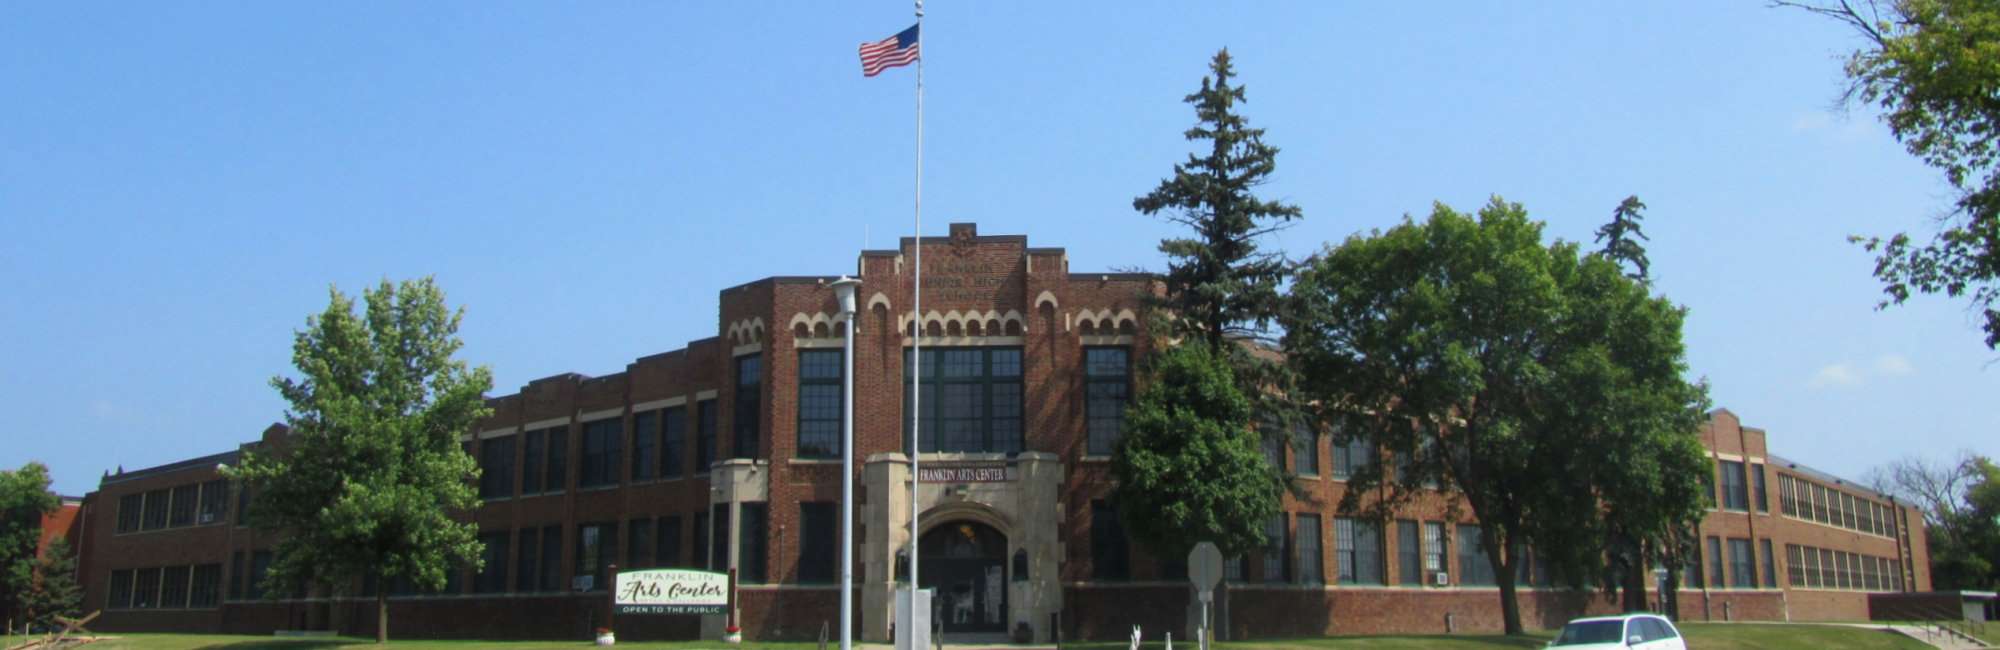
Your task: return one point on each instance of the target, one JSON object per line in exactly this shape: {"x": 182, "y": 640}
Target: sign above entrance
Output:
{"x": 671, "y": 591}
{"x": 989, "y": 473}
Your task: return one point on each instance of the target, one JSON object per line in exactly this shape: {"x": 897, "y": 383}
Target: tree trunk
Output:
{"x": 382, "y": 611}
{"x": 1636, "y": 568}
{"x": 1500, "y": 555}
{"x": 1673, "y": 588}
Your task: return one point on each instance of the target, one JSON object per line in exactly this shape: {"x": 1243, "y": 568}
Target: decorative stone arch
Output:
{"x": 949, "y": 513}
{"x": 879, "y": 299}
{"x": 746, "y": 331}
{"x": 1047, "y": 297}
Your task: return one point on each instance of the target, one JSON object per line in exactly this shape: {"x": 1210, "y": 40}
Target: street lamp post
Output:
{"x": 843, "y": 291}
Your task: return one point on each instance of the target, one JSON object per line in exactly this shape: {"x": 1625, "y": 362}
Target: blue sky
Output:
{"x": 180, "y": 184}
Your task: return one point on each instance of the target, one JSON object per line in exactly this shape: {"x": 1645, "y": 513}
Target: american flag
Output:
{"x": 894, "y": 51}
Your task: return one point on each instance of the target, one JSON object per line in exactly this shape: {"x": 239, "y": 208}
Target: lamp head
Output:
{"x": 843, "y": 290}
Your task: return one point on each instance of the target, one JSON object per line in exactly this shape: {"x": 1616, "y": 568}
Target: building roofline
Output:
{"x": 1824, "y": 477}
{"x": 209, "y": 460}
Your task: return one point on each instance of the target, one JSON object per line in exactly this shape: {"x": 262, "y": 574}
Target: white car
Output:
{"x": 1624, "y": 631}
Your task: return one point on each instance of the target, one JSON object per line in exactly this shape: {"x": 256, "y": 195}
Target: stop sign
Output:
{"x": 1205, "y": 566}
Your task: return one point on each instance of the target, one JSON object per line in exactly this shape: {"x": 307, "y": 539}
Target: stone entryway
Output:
{"x": 965, "y": 562}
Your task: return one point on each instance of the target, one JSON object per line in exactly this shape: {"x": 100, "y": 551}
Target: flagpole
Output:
{"x": 917, "y": 333}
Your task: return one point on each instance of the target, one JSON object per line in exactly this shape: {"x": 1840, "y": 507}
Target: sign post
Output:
{"x": 1205, "y": 571}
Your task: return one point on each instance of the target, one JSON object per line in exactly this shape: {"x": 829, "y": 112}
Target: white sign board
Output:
{"x": 671, "y": 591}
{"x": 1205, "y": 567}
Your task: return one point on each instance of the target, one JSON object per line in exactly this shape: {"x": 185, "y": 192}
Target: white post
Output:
{"x": 917, "y": 322}
{"x": 843, "y": 290}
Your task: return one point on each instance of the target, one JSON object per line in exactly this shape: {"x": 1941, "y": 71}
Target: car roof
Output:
{"x": 1620, "y": 617}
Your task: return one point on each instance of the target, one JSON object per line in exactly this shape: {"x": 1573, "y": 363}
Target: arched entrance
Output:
{"x": 966, "y": 563}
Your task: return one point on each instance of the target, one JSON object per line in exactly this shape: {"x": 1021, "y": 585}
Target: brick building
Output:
{"x": 724, "y": 454}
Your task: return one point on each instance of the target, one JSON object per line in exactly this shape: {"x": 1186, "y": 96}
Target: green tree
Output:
{"x": 54, "y": 591}
{"x": 1221, "y": 291}
{"x": 1219, "y": 285}
{"x": 1190, "y": 467}
{"x": 1618, "y": 235}
{"x": 1486, "y": 362}
{"x": 370, "y": 477}
{"x": 24, "y": 499}
{"x": 1960, "y": 499}
{"x": 1933, "y": 68}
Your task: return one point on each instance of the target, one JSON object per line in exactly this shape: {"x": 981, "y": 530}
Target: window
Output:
{"x": 1305, "y": 449}
{"x": 1307, "y": 531}
{"x": 1865, "y": 515}
{"x": 182, "y": 511}
{"x": 236, "y": 575}
{"x": 207, "y": 587}
{"x": 120, "y": 596}
{"x": 701, "y": 541}
{"x": 1358, "y": 549}
{"x": 156, "y": 510}
{"x": 545, "y": 465}
{"x": 1757, "y": 485}
{"x": 131, "y": 508}
{"x": 971, "y": 399}
{"x": 639, "y": 543}
{"x": 1350, "y": 456}
{"x": 1833, "y": 504}
{"x": 749, "y": 405}
{"x": 1474, "y": 567}
{"x": 1819, "y": 503}
{"x": 1770, "y": 565}
{"x": 1716, "y": 576}
{"x": 492, "y": 577}
{"x": 1829, "y": 572}
{"x": 1109, "y": 558}
{"x": 596, "y": 548}
{"x": 174, "y": 586}
{"x": 1795, "y": 566}
{"x": 819, "y": 542}
{"x": 1787, "y": 499}
{"x": 667, "y": 543}
{"x": 496, "y": 468}
{"x": 525, "y": 566}
{"x": 1273, "y": 444}
{"x": 1847, "y": 511}
{"x": 1274, "y": 548}
{"x": 751, "y": 541}
{"x": 1814, "y": 577}
{"x": 645, "y": 439}
{"x": 1107, "y": 389}
{"x": 260, "y": 566}
{"x": 704, "y": 436}
{"x": 819, "y": 403}
{"x": 673, "y": 442}
{"x": 1870, "y": 578}
{"x": 146, "y": 589}
{"x": 551, "y": 564}
{"x": 603, "y": 456}
{"x": 242, "y": 505}
{"x": 1742, "y": 565}
{"x": 214, "y": 500}
{"x": 1892, "y": 512}
{"x": 1409, "y": 553}
{"x": 1434, "y": 547}
{"x": 1735, "y": 488}
{"x": 718, "y": 547}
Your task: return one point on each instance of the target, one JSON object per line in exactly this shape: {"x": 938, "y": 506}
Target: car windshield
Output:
{"x": 1583, "y": 632}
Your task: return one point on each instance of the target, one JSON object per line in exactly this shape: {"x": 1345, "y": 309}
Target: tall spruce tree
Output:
{"x": 1618, "y": 237}
{"x": 54, "y": 591}
{"x": 1219, "y": 290}
{"x": 367, "y": 483}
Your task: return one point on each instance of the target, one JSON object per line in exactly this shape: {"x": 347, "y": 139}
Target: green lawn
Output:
{"x": 1705, "y": 636}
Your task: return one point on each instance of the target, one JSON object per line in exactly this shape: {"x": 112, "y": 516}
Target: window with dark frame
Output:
{"x": 1735, "y": 488}
{"x": 1770, "y": 565}
{"x": 1762, "y": 499}
{"x": 971, "y": 399}
{"x": 704, "y": 436}
{"x": 146, "y": 589}
{"x": 1305, "y": 449}
{"x": 131, "y": 509}
{"x": 1274, "y": 559}
{"x": 119, "y": 595}
{"x": 1716, "y": 574}
{"x": 492, "y": 576}
{"x": 206, "y": 590}
{"x": 1742, "y": 564}
{"x": 603, "y": 453}
{"x": 596, "y": 549}
{"x": 667, "y": 543}
{"x": 214, "y": 502}
{"x": 496, "y": 467}
{"x": 1110, "y": 556}
{"x": 1434, "y": 548}
{"x": 174, "y": 587}
{"x": 182, "y": 511}
{"x": 749, "y": 406}
{"x": 236, "y": 575}
{"x": 819, "y": 403}
{"x": 700, "y": 543}
{"x": 260, "y": 566}
{"x": 645, "y": 443}
{"x": 534, "y": 460}
{"x": 819, "y": 542}
{"x": 528, "y": 560}
{"x": 752, "y": 542}
{"x": 551, "y": 564}
{"x": 673, "y": 442}
{"x": 1107, "y": 389}
{"x": 156, "y": 510}
{"x": 639, "y": 544}
{"x": 1272, "y": 439}
{"x": 718, "y": 538}
{"x": 1352, "y": 455}
{"x": 1787, "y": 496}
{"x": 1306, "y": 529}
{"x": 1474, "y": 567}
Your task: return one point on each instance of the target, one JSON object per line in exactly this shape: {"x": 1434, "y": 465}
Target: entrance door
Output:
{"x": 965, "y": 562}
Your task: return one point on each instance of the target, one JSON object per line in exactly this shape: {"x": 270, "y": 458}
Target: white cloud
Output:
{"x": 1835, "y": 375}
{"x": 1893, "y": 365}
